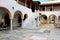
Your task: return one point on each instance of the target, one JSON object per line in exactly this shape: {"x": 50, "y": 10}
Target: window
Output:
{"x": 33, "y": 8}
{"x": 42, "y": 8}
{"x": 28, "y": 5}
{"x": 36, "y": 7}
{"x": 50, "y": 9}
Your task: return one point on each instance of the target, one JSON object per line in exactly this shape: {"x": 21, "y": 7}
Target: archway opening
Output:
{"x": 5, "y": 16}
{"x": 59, "y": 19}
{"x": 44, "y": 19}
{"x": 17, "y": 20}
{"x": 25, "y": 17}
{"x": 52, "y": 19}
{"x": 7, "y": 20}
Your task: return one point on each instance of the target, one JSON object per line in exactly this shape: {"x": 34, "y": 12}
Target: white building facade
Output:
{"x": 13, "y": 14}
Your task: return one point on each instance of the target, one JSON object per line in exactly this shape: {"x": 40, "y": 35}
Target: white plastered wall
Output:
{"x": 9, "y": 4}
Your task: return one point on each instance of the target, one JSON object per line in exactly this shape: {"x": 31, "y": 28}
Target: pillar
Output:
{"x": 38, "y": 9}
{"x": 45, "y": 8}
{"x": 52, "y": 7}
{"x": 40, "y": 19}
{"x": 11, "y": 24}
{"x": 18, "y": 1}
{"x": 25, "y": 3}
{"x": 48, "y": 20}
{"x": 35, "y": 8}
{"x": 22, "y": 21}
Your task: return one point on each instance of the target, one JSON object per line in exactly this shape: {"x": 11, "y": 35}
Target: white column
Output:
{"x": 45, "y": 8}
{"x": 52, "y": 7}
{"x": 22, "y": 22}
{"x": 35, "y": 8}
{"x": 40, "y": 18}
{"x": 11, "y": 24}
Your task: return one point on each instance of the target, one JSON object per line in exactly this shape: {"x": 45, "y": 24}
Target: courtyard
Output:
{"x": 29, "y": 20}
{"x": 43, "y": 33}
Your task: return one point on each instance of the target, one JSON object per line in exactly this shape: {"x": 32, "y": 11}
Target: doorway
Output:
{"x": 59, "y": 19}
{"x": 7, "y": 20}
{"x": 44, "y": 19}
{"x": 5, "y": 16}
{"x": 17, "y": 20}
{"x": 52, "y": 19}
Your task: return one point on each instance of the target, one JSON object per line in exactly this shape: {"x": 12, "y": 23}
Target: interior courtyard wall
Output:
{"x": 56, "y": 8}
{"x": 13, "y": 6}
{"x": 48, "y": 13}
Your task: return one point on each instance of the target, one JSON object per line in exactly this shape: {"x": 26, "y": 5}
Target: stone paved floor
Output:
{"x": 21, "y": 33}
{"x": 55, "y": 34}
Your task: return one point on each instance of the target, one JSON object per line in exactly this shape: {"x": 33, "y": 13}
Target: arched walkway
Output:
{"x": 25, "y": 16}
{"x": 17, "y": 20}
{"x": 44, "y": 19}
{"x": 5, "y": 17}
{"x": 52, "y": 19}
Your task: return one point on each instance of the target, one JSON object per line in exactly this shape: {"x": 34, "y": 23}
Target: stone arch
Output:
{"x": 44, "y": 19}
{"x": 7, "y": 10}
{"x": 52, "y": 19}
{"x": 18, "y": 12}
{"x": 5, "y": 16}
{"x": 25, "y": 16}
{"x": 17, "y": 19}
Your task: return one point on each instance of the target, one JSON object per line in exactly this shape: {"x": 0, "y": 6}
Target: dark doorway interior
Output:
{"x": 20, "y": 20}
{"x": 7, "y": 20}
{"x": 45, "y": 17}
{"x": 59, "y": 19}
{"x": 33, "y": 8}
{"x": 53, "y": 19}
{"x": 25, "y": 16}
